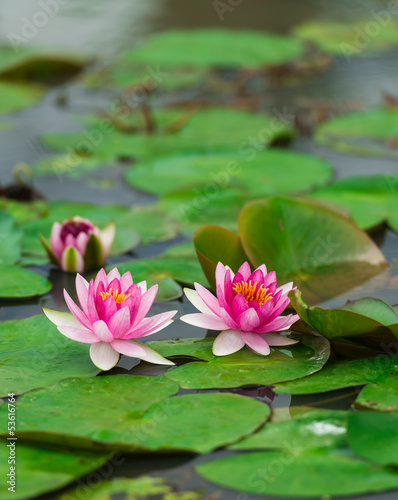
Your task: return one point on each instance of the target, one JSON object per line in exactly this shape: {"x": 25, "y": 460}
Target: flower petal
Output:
{"x": 275, "y": 339}
{"x": 220, "y": 274}
{"x": 245, "y": 270}
{"x": 228, "y": 342}
{"x": 72, "y": 260}
{"x": 151, "y": 325}
{"x": 228, "y": 320}
{"x": 135, "y": 349}
{"x": 208, "y": 298}
{"x": 56, "y": 243}
{"x": 285, "y": 288}
{"x": 248, "y": 320}
{"x": 114, "y": 274}
{"x": 104, "y": 356}
{"x": 256, "y": 342}
{"x": 61, "y": 318}
{"x": 195, "y": 300}
{"x": 78, "y": 334}
{"x": 126, "y": 280}
{"x": 76, "y": 311}
{"x": 106, "y": 236}
{"x": 208, "y": 321}
{"x": 120, "y": 323}
{"x": 278, "y": 324}
{"x": 147, "y": 300}
{"x": 82, "y": 292}
{"x": 101, "y": 330}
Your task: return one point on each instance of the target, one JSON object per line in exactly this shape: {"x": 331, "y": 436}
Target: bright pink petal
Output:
{"x": 120, "y": 323}
{"x": 76, "y": 311}
{"x": 248, "y": 320}
{"x": 208, "y": 298}
{"x": 104, "y": 356}
{"x": 56, "y": 243}
{"x": 274, "y": 339}
{"x": 135, "y": 349}
{"x": 204, "y": 321}
{"x": 82, "y": 292}
{"x": 278, "y": 324}
{"x": 228, "y": 319}
{"x": 146, "y": 303}
{"x": 106, "y": 308}
{"x": 142, "y": 285}
{"x": 257, "y": 277}
{"x": 220, "y": 274}
{"x": 256, "y": 342}
{"x": 91, "y": 312}
{"x": 113, "y": 285}
{"x": 151, "y": 325}
{"x": 102, "y": 331}
{"x": 81, "y": 242}
{"x": 239, "y": 305}
{"x": 126, "y": 280}
{"x": 100, "y": 278}
{"x": 279, "y": 307}
{"x": 245, "y": 270}
{"x": 263, "y": 269}
{"x": 265, "y": 310}
{"x": 228, "y": 342}
{"x": 78, "y": 334}
{"x": 114, "y": 274}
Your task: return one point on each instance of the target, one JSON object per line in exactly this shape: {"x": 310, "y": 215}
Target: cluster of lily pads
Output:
{"x": 267, "y": 205}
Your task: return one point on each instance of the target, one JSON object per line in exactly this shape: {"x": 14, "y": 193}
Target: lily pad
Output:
{"x": 332, "y": 255}
{"x": 369, "y": 133}
{"x": 24, "y": 211}
{"x": 368, "y": 321}
{"x": 10, "y": 240}
{"x": 311, "y": 430}
{"x": 19, "y": 283}
{"x": 206, "y": 131}
{"x": 146, "y": 419}
{"x": 341, "y": 374}
{"x": 14, "y": 97}
{"x": 165, "y": 271}
{"x": 374, "y": 436}
{"x": 350, "y": 39}
{"x": 216, "y": 47}
{"x": 248, "y": 368}
{"x": 195, "y": 348}
{"x": 40, "y": 470}
{"x": 310, "y": 473}
{"x": 34, "y": 354}
{"x": 381, "y": 396}
{"x": 260, "y": 174}
{"x": 371, "y": 200}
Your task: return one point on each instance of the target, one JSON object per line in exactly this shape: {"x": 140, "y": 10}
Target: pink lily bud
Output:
{"x": 77, "y": 245}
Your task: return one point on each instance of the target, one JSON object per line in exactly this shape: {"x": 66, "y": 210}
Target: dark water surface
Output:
{"x": 102, "y": 28}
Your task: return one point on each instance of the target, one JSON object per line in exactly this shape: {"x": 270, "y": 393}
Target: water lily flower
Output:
{"x": 77, "y": 245}
{"x": 111, "y": 318}
{"x": 247, "y": 309}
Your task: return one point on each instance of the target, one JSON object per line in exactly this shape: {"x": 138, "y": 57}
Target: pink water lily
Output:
{"x": 77, "y": 245}
{"x": 112, "y": 316}
{"x": 247, "y": 309}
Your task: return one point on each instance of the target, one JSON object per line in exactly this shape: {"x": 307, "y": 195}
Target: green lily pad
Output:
{"x": 369, "y": 133}
{"x": 248, "y": 368}
{"x": 374, "y": 436}
{"x": 165, "y": 271}
{"x": 24, "y": 211}
{"x": 368, "y": 321}
{"x": 216, "y": 47}
{"x": 371, "y": 200}
{"x": 195, "y": 348}
{"x": 207, "y": 131}
{"x": 311, "y": 430}
{"x": 351, "y": 39}
{"x": 139, "y": 488}
{"x": 308, "y": 474}
{"x": 40, "y": 470}
{"x": 70, "y": 165}
{"x": 267, "y": 173}
{"x": 341, "y": 374}
{"x": 193, "y": 422}
{"x": 34, "y": 354}
{"x": 381, "y": 396}
{"x": 217, "y": 244}
{"x": 328, "y": 258}
{"x": 10, "y": 240}
{"x": 19, "y": 283}
{"x": 14, "y": 97}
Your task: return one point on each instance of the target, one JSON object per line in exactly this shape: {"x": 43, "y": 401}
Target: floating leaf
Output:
{"x": 18, "y": 283}
{"x": 374, "y": 436}
{"x": 196, "y": 348}
{"x": 371, "y": 200}
{"x": 14, "y": 97}
{"x": 258, "y": 173}
{"x": 373, "y": 133}
{"x": 247, "y": 367}
{"x": 307, "y": 474}
{"x": 34, "y": 354}
{"x": 381, "y": 396}
{"x": 40, "y": 469}
{"x": 328, "y": 258}
{"x": 207, "y": 47}
{"x": 24, "y": 211}
{"x": 368, "y": 321}
{"x": 342, "y": 374}
{"x": 10, "y": 240}
{"x": 314, "y": 429}
{"x": 193, "y": 422}
{"x": 165, "y": 271}
{"x": 350, "y": 39}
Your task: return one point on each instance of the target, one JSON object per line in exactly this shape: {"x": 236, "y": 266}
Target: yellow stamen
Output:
{"x": 119, "y": 297}
{"x": 250, "y": 292}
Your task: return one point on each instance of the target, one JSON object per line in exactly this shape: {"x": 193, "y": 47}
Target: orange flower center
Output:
{"x": 119, "y": 297}
{"x": 251, "y": 292}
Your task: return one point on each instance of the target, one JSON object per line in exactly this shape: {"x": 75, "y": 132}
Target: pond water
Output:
{"x": 101, "y": 29}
